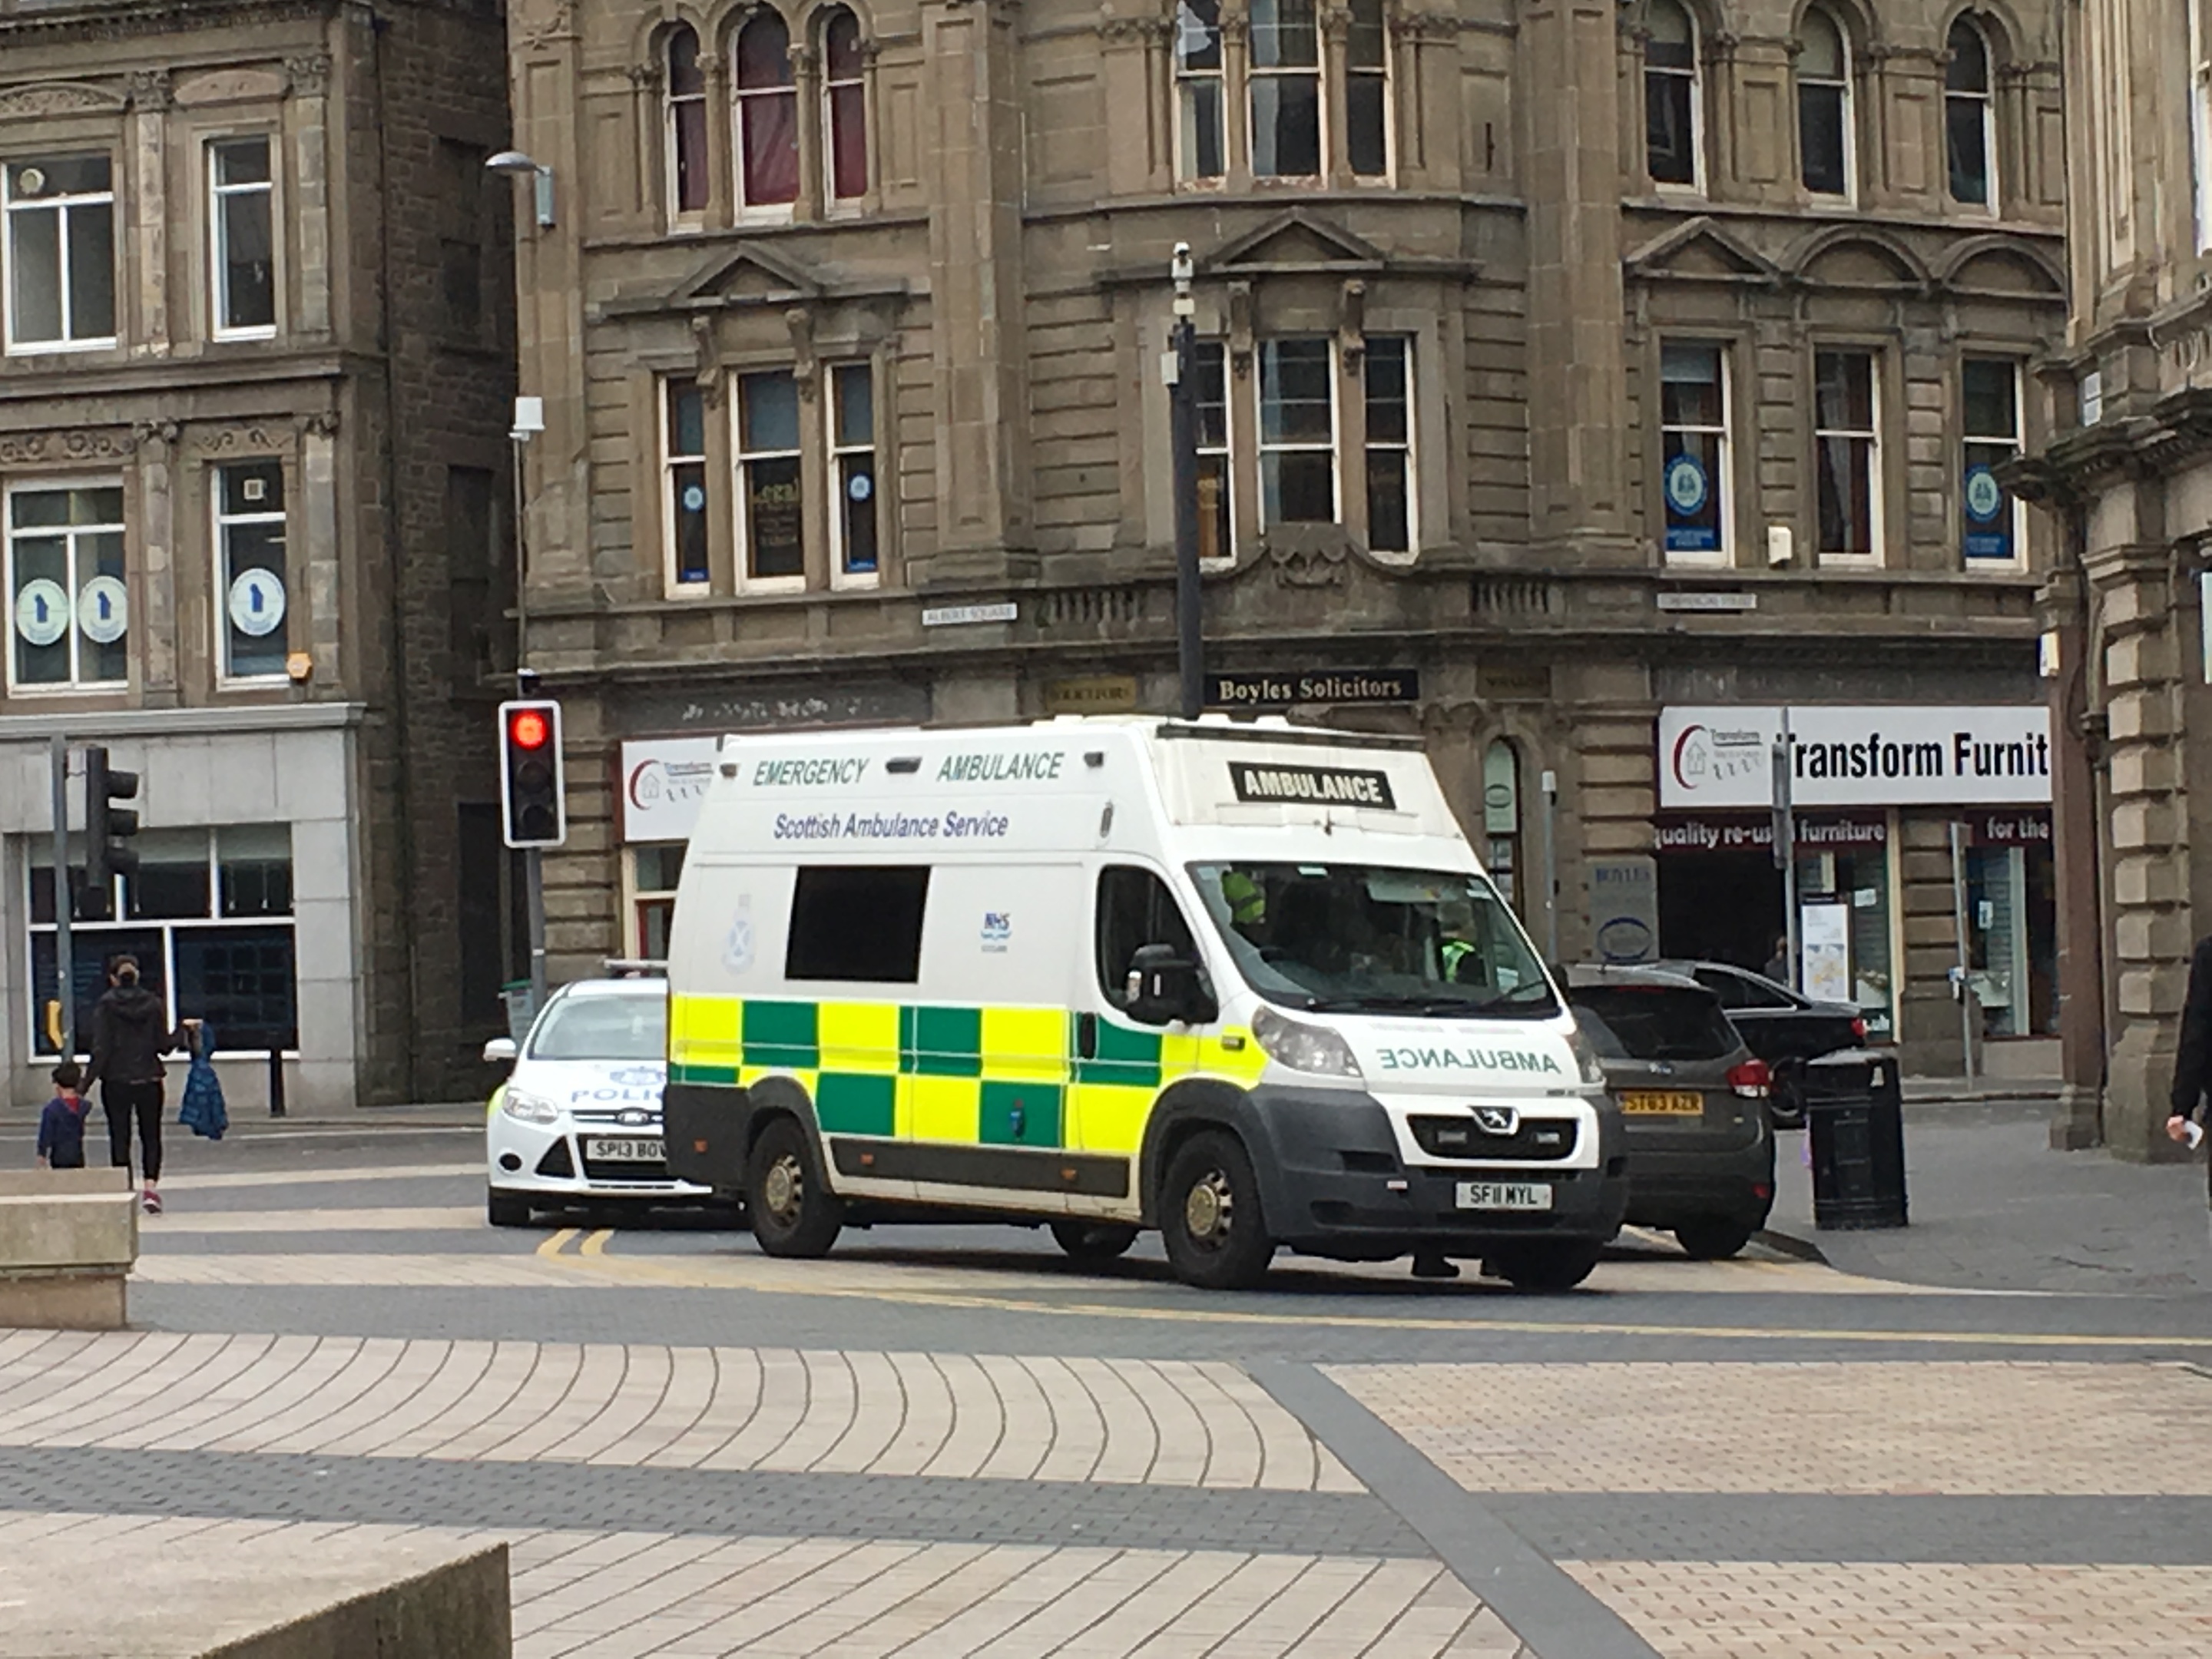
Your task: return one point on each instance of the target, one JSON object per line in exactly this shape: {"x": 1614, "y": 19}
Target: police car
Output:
{"x": 578, "y": 1118}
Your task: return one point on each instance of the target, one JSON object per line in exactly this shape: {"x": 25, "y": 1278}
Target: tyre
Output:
{"x": 1093, "y": 1240}
{"x": 1712, "y": 1237}
{"x": 793, "y": 1213}
{"x": 506, "y": 1209}
{"x": 1210, "y": 1220}
{"x": 1785, "y": 1100}
{"x": 1545, "y": 1267}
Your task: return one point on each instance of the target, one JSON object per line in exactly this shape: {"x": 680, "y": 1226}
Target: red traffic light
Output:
{"x": 528, "y": 728}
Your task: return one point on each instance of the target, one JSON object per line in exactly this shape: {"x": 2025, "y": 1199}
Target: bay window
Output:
{"x": 60, "y": 214}
{"x": 1846, "y": 452}
{"x": 69, "y": 608}
{"x": 1297, "y": 432}
{"x": 766, "y": 114}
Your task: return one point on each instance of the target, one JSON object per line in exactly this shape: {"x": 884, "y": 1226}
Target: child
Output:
{"x": 61, "y": 1127}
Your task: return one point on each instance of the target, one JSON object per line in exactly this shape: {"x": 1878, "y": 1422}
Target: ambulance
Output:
{"x": 1245, "y": 984}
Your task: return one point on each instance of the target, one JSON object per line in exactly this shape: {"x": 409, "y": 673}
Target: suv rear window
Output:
{"x": 1653, "y": 1021}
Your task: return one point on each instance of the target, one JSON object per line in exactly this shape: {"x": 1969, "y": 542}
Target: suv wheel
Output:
{"x": 1545, "y": 1267}
{"x": 1210, "y": 1220}
{"x": 1712, "y": 1238}
{"x": 1093, "y": 1240}
{"x": 792, "y": 1214}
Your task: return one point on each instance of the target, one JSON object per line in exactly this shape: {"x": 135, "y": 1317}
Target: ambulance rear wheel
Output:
{"x": 792, "y": 1214}
{"x": 1210, "y": 1220}
{"x": 1093, "y": 1240}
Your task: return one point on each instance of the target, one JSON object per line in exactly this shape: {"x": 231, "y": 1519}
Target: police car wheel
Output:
{"x": 506, "y": 1209}
{"x": 1545, "y": 1267}
{"x": 1210, "y": 1220}
{"x": 1093, "y": 1240}
{"x": 792, "y": 1214}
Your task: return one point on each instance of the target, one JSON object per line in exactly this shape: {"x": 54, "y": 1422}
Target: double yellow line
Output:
{"x": 595, "y": 1241}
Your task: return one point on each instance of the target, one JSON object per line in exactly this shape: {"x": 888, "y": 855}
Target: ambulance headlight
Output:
{"x": 1302, "y": 1047}
{"x": 530, "y": 1109}
{"x": 1586, "y": 1057}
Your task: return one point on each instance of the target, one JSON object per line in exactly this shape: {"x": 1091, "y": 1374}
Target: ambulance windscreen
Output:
{"x": 1360, "y": 938}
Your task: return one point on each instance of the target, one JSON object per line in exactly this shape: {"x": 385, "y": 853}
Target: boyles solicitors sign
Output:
{"x": 1886, "y": 755}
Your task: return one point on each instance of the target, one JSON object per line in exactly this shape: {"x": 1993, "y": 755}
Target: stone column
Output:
{"x": 2077, "y": 738}
{"x": 156, "y": 624}
{"x": 150, "y": 101}
{"x": 308, "y": 122}
{"x": 321, "y": 572}
{"x": 813, "y": 173}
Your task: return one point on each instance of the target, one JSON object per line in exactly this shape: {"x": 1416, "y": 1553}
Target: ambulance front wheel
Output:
{"x": 1093, "y": 1240}
{"x": 1210, "y": 1220}
{"x": 792, "y": 1214}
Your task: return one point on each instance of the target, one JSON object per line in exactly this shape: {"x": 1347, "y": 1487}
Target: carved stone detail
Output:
{"x": 97, "y": 444}
{"x": 556, "y": 23}
{"x": 310, "y": 77}
{"x": 1308, "y": 567}
{"x": 800, "y": 321}
{"x": 157, "y": 432}
{"x": 322, "y": 423}
{"x": 150, "y": 90}
{"x": 53, "y": 98}
{"x": 231, "y": 85}
{"x": 707, "y": 360}
{"x": 256, "y": 439}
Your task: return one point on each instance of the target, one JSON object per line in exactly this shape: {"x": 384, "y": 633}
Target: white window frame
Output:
{"x": 1695, "y": 75}
{"x": 1225, "y": 451}
{"x": 220, "y": 523}
{"x": 671, "y": 579}
{"x": 1871, "y": 434}
{"x": 1987, "y": 98}
{"x": 1180, "y": 121}
{"x": 2017, "y": 443}
{"x": 75, "y": 683}
{"x": 2200, "y": 117}
{"x": 740, "y": 459}
{"x": 749, "y": 211}
{"x": 1319, "y": 73}
{"x": 835, "y": 451}
{"x": 1333, "y": 447}
{"x": 1388, "y": 75}
{"x": 833, "y": 202}
{"x": 218, "y": 266}
{"x": 1410, "y": 447}
{"x": 681, "y": 218}
{"x": 636, "y": 895}
{"x": 65, "y": 207}
{"x": 1724, "y": 486}
{"x": 1850, "y": 120}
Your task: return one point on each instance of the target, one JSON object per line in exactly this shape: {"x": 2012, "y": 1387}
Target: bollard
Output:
{"x": 277, "y": 1082}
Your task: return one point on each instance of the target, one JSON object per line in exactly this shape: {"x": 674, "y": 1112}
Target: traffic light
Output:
{"x": 529, "y": 788}
{"x": 108, "y": 832}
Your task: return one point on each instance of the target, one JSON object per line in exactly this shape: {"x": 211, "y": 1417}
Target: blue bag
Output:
{"x": 203, "y": 1111}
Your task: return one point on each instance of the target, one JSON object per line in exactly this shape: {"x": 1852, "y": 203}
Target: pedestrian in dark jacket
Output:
{"x": 131, "y": 1033}
{"x": 61, "y": 1125}
{"x": 2193, "y": 1062}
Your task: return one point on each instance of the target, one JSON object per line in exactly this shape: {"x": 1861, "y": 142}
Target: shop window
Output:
{"x": 857, "y": 923}
{"x": 1217, "y": 544}
{"x": 855, "y": 507}
{"x": 68, "y": 609}
{"x": 249, "y": 539}
{"x": 1858, "y": 880}
{"x": 1824, "y": 106}
{"x": 207, "y": 915}
{"x": 655, "y": 870}
{"x": 1847, "y": 454}
{"x": 1135, "y": 908}
{"x": 767, "y": 115}
{"x": 684, "y": 484}
{"x": 1297, "y": 432}
{"x": 60, "y": 214}
{"x": 1693, "y": 418}
{"x": 1671, "y": 112}
{"x": 1367, "y": 91}
{"x": 773, "y": 520}
{"x": 685, "y": 117}
{"x": 1989, "y": 391}
{"x": 1201, "y": 94}
{"x": 241, "y": 238}
{"x": 1285, "y": 90}
{"x": 1389, "y": 372}
{"x": 845, "y": 107}
{"x": 1970, "y": 117}
{"x": 2011, "y": 938}
{"x": 1501, "y": 817}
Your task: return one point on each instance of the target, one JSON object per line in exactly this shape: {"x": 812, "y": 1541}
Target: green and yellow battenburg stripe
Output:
{"x": 959, "y": 1076}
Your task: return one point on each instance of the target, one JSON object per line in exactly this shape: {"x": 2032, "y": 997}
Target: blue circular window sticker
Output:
{"x": 1985, "y": 495}
{"x": 1686, "y": 485}
{"x": 695, "y": 498}
{"x": 860, "y": 486}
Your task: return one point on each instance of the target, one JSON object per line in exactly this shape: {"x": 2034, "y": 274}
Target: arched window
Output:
{"x": 1670, "y": 95}
{"x": 1970, "y": 119}
{"x": 687, "y": 123}
{"x": 766, "y": 114}
{"x": 845, "y": 107}
{"x": 1824, "y": 106}
{"x": 1199, "y": 99}
{"x": 1501, "y": 816}
{"x": 1367, "y": 92}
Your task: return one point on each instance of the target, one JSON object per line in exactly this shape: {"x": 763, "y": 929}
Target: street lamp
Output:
{"x": 1183, "y": 438}
{"x": 515, "y": 162}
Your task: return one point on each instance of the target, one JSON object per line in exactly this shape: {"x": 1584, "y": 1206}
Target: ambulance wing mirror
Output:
{"x": 1164, "y": 986}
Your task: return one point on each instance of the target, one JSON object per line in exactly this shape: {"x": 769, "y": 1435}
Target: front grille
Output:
{"x": 1532, "y": 1139}
{"x": 601, "y": 1168}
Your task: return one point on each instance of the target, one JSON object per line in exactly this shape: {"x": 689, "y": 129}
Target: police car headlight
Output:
{"x": 1302, "y": 1047}
{"x": 1586, "y": 1057}
{"x": 530, "y": 1109}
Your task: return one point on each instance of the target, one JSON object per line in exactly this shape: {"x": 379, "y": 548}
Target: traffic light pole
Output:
{"x": 534, "y": 878}
{"x": 64, "y": 901}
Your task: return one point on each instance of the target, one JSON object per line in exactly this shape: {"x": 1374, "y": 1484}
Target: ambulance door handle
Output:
{"x": 1086, "y": 1036}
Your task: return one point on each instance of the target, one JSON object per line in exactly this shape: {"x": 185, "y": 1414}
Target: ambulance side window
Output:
{"x": 857, "y": 923}
{"x": 1135, "y": 908}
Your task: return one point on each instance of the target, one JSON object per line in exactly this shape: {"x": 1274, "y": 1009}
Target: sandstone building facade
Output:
{"x": 255, "y": 383}
{"x": 1587, "y": 386}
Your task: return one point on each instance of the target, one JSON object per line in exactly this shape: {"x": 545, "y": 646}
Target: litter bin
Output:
{"x": 1855, "y": 1118}
{"x": 519, "y": 1011}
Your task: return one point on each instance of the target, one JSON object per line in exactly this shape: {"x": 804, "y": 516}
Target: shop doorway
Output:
{"x": 1720, "y": 907}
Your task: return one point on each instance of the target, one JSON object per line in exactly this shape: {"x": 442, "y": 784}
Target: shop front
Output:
{"x": 1923, "y": 846}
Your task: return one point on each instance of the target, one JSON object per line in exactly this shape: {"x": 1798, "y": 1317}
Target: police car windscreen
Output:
{"x": 1353, "y": 937}
{"x": 604, "y": 1028}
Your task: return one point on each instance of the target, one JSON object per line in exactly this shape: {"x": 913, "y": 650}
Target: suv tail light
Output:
{"x": 1858, "y": 1030}
{"x": 1750, "y": 1079}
